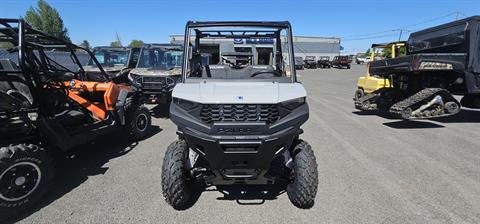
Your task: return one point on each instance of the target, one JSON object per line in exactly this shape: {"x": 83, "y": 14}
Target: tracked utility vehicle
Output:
{"x": 440, "y": 61}
{"x": 158, "y": 70}
{"x": 239, "y": 123}
{"x": 48, "y": 107}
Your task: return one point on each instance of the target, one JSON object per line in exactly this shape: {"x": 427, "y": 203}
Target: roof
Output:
{"x": 163, "y": 46}
{"x": 273, "y": 24}
{"x": 385, "y": 45}
{"x": 112, "y": 48}
{"x": 245, "y": 54}
{"x": 470, "y": 20}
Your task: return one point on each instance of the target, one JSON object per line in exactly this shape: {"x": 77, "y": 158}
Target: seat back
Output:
{"x": 14, "y": 84}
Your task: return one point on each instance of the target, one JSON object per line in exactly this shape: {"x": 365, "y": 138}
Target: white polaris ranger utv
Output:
{"x": 239, "y": 114}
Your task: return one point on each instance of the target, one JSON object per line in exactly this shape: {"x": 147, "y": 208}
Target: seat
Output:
{"x": 70, "y": 118}
{"x": 217, "y": 71}
{"x": 14, "y": 84}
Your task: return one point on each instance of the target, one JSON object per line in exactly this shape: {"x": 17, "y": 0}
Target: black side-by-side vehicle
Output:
{"x": 49, "y": 105}
{"x": 440, "y": 61}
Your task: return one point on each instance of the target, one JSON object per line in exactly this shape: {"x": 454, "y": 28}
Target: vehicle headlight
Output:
{"x": 292, "y": 104}
{"x": 185, "y": 104}
{"x": 138, "y": 79}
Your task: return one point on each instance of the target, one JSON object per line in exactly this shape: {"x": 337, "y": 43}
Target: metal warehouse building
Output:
{"x": 262, "y": 48}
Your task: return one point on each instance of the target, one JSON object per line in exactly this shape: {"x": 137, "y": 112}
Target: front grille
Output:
{"x": 155, "y": 82}
{"x": 239, "y": 113}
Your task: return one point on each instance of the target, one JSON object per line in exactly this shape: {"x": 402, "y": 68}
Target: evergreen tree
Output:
{"x": 47, "y": 19}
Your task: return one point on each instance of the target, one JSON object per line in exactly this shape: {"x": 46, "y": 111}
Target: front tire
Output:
{"x": 138, "y": 122}
{"x": 26, "y": 172}
{"x": 175, "y": 176}
{"x": 303, "y": 188}
{"x": 359, "y": 93}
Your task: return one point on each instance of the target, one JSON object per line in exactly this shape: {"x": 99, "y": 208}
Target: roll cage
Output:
{"x": 162, "y": 47}
{"x": 255, "y": 32}
{"x": 31, "y": 45}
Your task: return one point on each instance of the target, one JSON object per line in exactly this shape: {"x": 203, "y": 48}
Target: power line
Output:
{"x": 401, "y": 29}
{"x": 367, "y": 34}
{"x": 370, "y": 37}
{"x": 430, "y": 20}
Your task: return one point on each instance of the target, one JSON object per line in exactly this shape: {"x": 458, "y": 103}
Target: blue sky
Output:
{"x": 359, "y": 23}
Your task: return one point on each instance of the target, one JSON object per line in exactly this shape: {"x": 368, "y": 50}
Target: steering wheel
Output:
{"x": 274, "y": 72}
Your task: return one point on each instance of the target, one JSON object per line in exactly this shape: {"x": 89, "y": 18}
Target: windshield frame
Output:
{"x": 163, "y": 48}
{"x": 104, "y": 50}
{"x": 280, "y": 26}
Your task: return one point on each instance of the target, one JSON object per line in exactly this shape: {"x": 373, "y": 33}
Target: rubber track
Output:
{"x": 400, "y": 106}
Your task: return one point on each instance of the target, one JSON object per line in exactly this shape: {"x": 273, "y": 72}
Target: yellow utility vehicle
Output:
{"x": 369, "y": 83}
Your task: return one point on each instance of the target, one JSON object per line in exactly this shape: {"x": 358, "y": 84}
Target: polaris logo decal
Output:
{"x": 239, "y": 97}
{"x": 237, "y": 130}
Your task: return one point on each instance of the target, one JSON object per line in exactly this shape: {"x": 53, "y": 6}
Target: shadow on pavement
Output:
{"x": 378, "y": 113}
{"x": 161, "y": 111}
{"x": 464, "y": 116}
{"x": 74, "y": 167}
{"x": 251, "y": 194}
{"x": 406, "y": 124}
{"x": 242, "y": 194}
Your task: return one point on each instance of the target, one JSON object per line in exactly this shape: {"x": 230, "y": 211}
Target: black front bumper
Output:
{"x": 239, "y": 152}
{"x": 156, "y": 88}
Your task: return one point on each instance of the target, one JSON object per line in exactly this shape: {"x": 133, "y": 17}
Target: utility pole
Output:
{"x": 117, "y": 37}
{"x": 401, "y": 32}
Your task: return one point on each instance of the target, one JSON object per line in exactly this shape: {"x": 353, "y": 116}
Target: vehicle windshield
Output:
{"x": 444, "y": 39}
{"x": 161, "y": 58}
{"x": 298, "y": 59}
{"x": 236, "y": 52}
{"x": 324, "y": 58}
{"x": 110, "y": 58}
{"x": 310, "y": 58}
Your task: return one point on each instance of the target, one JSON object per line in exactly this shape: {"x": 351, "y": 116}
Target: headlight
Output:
{"x": 185, "y": 104}
{"x": 292, "y": 104}
{"x": 132, "y": 77}
{"x": 170, "y": 81}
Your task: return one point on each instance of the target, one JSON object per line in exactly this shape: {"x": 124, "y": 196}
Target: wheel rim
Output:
{"x": 407, "y": 113}
{"x": 141, "y": 123}
{"x": 19, "y": 181}
{"x": 452, "y": 107}
{"x": 358, "y": 94}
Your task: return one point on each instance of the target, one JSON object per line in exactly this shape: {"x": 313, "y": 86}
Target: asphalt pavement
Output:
{"x": 372, "y": 169}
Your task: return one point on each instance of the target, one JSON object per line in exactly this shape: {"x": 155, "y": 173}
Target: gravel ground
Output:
{"x": 372, "y": 169}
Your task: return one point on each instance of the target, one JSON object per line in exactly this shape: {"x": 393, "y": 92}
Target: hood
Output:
{"x": 156, "y": 72}
{"x": 238, "y": 92}
{"x": 106, "y": 69}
